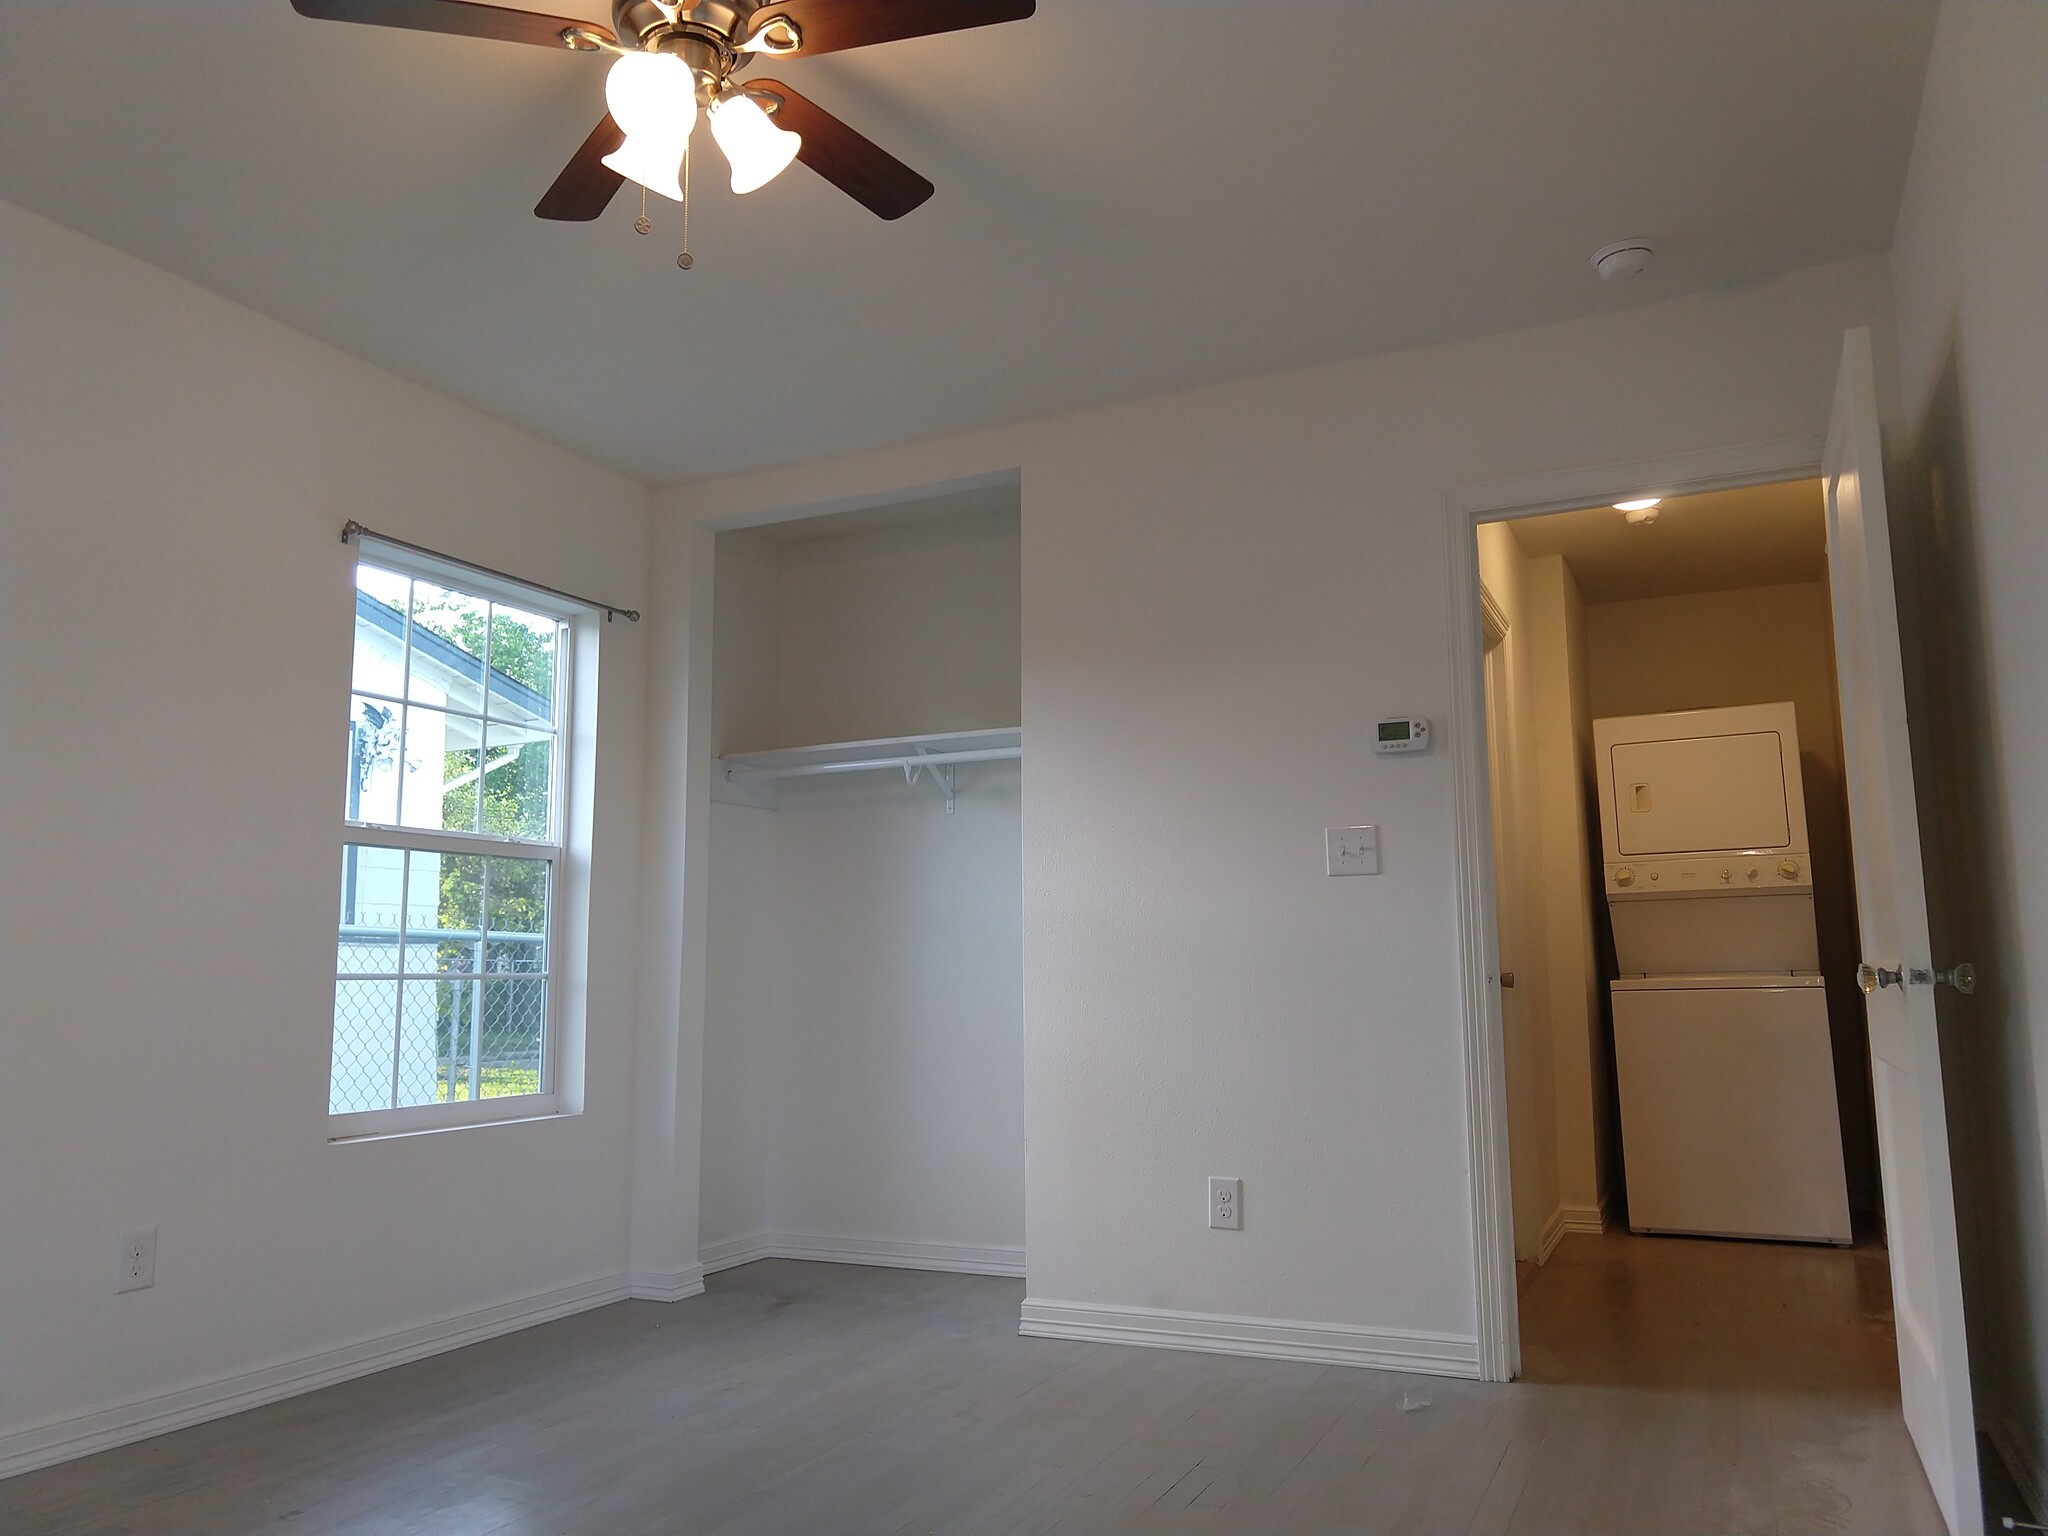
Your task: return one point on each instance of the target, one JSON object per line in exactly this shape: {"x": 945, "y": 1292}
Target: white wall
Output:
{"x": 1556, "y": 764}
{"x": 1970, "y": 275}
{"x": 1561, "y": 1159}
{"x": 175, "y": 621}
{"x": 1589, "y": 1155}
{"x": 1221, "y": 590}
{"x": 863, "y": 1073}
{"x": 900, "y": 1000}
{"x": 743, "y": 1038}
{"x": 900, "y": 630}
{"x": 1518, "y": 726}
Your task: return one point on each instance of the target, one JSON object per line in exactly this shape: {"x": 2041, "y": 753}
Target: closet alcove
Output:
{"x": 863, "y": 1052}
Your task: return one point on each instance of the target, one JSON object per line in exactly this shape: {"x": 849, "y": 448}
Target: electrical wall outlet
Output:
{"x": 1226, "y": 1204}
{"x": 138, "y": 1261}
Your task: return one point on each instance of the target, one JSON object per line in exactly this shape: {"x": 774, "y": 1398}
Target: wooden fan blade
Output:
{"x": 830, "y": 26}
{"x": 586, "y": 184}
{"x": 460, "y": 17}
{"x": 852, "y": 162}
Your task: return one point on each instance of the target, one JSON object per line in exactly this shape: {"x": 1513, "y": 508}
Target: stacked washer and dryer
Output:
{"x": 1723, "y": 1059}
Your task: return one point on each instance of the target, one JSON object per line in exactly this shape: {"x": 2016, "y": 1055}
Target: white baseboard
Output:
{"x": 1585, "y": 1218}
{"x": 665, "y": 1285}
{"x": 1552, "y": 1234}
{"x": 137, "y": 1418}
{"x": 735, "y": 1251}
{"x": 1267, "y": 1338}
{"x": 952, "y": 1258}
{"x": 2022, "y": 1461}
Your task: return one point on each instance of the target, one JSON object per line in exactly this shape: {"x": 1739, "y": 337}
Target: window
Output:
{"x": 451, "y": 847}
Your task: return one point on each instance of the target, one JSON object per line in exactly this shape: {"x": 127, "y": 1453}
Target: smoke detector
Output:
{"x": 1623, "y": 259}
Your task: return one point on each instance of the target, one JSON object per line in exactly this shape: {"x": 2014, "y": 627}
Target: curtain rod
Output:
{"x": 355, "y": 530}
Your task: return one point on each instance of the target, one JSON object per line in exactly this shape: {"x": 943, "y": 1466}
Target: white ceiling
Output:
{"x": 1762, "y": 536}
{"x": 1134, "y": 196}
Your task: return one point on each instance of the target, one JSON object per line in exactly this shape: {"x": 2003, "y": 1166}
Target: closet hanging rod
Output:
{"x": 874, "y": 764}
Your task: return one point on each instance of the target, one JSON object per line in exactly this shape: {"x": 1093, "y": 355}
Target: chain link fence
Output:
{"x": 415, "y": 1021}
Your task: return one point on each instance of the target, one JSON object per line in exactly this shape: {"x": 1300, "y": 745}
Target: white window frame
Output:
{"x": 564, "y": 769}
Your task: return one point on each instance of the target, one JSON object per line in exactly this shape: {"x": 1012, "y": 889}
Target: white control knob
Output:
{"x": 1789, "y": 868}
{"x": 1726, "y": 876}
{"x": 1624, "y": 877}
{"x": 1752, "y": 871}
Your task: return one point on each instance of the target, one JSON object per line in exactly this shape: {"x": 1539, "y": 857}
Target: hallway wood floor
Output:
{"x": 1672, "y": 1386}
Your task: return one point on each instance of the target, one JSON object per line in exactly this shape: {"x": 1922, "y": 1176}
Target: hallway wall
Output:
{"x": 1560, "y": 1076}
{"x": 1516, "y": 722}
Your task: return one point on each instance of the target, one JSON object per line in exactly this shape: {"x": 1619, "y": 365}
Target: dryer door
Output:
{"x": 1700, "y": 794}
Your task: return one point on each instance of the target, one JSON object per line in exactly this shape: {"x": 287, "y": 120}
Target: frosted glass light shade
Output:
{"x": 657, "y": 167}
{"x": 653, "y": 98}
{"x": 758, "y": 150}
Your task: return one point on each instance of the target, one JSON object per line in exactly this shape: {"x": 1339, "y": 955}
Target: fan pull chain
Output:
{"x": 643, "y": 225}
{"x": 683, "y": 257}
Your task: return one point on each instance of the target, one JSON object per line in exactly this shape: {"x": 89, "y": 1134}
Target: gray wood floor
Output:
{"x": 1672, "y": 1386}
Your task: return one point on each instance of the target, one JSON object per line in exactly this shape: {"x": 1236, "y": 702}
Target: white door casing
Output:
{"x": 1525, "y": 1181}
{"x": 1891, "y": 901}
{"x": 1486, "y": 1122}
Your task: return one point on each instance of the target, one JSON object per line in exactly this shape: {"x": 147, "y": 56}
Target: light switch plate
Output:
{"x": 1351, "y": 850}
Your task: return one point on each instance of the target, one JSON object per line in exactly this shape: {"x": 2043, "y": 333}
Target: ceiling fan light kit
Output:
{"x": 757, "y": 150}
{"x": 653, "y": 99}
{"x": 670, "y": 59}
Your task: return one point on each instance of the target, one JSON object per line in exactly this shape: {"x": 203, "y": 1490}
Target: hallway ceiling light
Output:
{"x": 1639, "y": 512}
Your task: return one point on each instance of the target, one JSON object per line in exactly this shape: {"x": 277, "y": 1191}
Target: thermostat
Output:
{"x": 1408, "y": 734}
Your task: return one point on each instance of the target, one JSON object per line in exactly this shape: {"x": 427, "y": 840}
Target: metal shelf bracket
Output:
{"x": 942, "y": 775}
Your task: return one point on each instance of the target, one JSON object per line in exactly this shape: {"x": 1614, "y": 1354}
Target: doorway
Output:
{"x": 1680, "y": 1144}
{"x": 1898, "y": 973}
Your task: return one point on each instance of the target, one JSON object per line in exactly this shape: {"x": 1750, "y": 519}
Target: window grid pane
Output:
{"x": 460, "y": 660}
{"x": 443, "y": 751}
{"x": 524, "y": 679}
{"x": 432, "y": 1028}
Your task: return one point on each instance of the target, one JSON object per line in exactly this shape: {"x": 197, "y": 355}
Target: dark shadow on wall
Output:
{"x": 1834, "y": 912}
{"x": 1973, "y": 909}
{"x": 1607, "y": 1094}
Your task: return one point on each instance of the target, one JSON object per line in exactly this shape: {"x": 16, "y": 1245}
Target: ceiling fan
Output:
{"x": 670, "y": 59}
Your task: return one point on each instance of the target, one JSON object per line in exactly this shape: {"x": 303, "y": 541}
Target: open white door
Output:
{"x": 1898, "y": 973}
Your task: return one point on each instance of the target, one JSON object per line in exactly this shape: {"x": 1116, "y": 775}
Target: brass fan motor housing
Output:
{"x": 641, "y": 19}
{"x": 704, "y": 34}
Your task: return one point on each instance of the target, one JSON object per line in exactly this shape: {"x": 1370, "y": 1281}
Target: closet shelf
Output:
{"x": 748, "y": 778}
